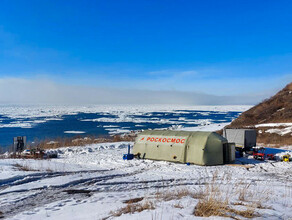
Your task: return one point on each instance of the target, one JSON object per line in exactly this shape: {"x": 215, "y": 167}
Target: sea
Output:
{"x": 51, "y": 122}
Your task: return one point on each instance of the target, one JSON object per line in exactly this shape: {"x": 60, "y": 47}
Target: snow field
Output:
{"x": 109, "y": 180}
{"x": 285, "y": 128}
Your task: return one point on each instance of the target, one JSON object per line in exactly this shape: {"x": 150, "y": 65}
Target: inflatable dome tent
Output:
{"x": 201, "y": 148}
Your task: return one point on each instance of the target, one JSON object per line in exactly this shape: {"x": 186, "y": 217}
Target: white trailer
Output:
{"x": 244, "y": 139}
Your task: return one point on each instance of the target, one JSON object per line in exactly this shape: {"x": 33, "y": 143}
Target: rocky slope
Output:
{"x": 272, "y": 118}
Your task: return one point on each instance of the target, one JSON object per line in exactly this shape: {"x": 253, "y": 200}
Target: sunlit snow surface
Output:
{"x": 45, "y": 122}
{"x": 100, "y": 169}
{"x": 277, "y": 128}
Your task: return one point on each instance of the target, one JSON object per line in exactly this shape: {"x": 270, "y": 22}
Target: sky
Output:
{"x": 146, "y": 51}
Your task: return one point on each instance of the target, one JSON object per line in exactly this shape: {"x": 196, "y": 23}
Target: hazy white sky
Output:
{"x": 44, "y": 91}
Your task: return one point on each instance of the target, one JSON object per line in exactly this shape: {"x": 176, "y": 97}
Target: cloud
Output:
{"x": 44, "y": 91}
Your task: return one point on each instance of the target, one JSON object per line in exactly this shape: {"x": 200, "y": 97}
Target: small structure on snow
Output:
{"x": 244, "y": 139}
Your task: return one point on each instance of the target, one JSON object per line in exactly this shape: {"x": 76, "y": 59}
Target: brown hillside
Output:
{"x": 277, "y": 109}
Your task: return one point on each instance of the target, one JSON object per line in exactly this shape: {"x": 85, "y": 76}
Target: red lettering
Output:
{"x": 167, "y": 140}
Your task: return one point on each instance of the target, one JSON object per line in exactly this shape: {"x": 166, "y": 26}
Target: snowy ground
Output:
{"x": 276, "y": 128}
{"x": 48, "y": 189}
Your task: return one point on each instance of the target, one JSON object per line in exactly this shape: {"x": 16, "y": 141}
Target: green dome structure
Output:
{"x": 195, "y": 147}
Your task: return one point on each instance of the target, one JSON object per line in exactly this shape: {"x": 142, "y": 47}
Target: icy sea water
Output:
{"x": 104, "y": 123}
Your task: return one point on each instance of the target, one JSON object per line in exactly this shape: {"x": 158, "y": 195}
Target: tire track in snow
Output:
{"x": 19, "y": 180}
{"x": 51, "y": 194}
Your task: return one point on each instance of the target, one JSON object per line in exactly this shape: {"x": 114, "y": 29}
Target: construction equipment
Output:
{"x": 271, "y": 157}
{"x": 286, "y": 158}
{"x": 259, "y": 153}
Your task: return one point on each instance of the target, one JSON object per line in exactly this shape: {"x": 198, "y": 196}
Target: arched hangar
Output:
{"x": 195, "y": 147}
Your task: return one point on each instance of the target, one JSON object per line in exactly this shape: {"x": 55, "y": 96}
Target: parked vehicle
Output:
{"x": 259, "y": 153}
{"x": 271, "y": 156}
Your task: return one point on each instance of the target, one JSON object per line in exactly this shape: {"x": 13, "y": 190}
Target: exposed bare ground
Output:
{"x": 212, "y": 201}
{"x": 277, "y": 109}
{"x": 81, "y": 141}
{"x": 275, "y": 139}
{"x": 23, "y": 167}
{"x": 134, "y": 207}
{"x": 215, "y": 201}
